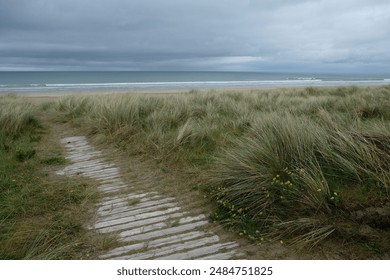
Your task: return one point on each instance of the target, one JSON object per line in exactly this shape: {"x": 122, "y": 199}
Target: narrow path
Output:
{"x": 148, "y": 225}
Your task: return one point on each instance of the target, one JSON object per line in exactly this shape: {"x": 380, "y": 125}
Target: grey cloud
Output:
{"x": 195, "y": 35}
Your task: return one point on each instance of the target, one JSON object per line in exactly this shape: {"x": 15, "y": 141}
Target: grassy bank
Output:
{"x": 40, "y": 215}
{"x": 294, "y": 165}
{"x": 304, "y": 167}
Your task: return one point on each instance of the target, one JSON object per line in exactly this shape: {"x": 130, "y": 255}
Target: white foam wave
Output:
{"x": 306, "y": 79}
{"x": 181, "y": 83}
{"x": 297, "y": 81}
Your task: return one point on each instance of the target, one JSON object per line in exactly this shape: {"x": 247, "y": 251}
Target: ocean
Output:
{"x": 115, "y": 81}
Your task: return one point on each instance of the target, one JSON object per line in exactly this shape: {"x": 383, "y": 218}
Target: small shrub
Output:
{"x": 53, "y": 160}
{"x": 35, "y": 138}
{"x": 23, "y": 155}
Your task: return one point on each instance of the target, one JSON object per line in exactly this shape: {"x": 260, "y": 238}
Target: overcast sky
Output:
{"x": 227, "y": 35}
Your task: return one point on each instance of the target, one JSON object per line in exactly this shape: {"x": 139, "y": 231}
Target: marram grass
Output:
{"x": 16, "y": 116}
{"x": 289, "y": 164}
{"x": 290, "y": 172}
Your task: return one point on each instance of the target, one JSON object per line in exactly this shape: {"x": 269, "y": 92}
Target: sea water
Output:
{"x": 114, "y": 81}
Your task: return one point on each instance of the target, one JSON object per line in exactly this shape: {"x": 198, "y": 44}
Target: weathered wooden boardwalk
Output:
{"x": 149, "y": 225}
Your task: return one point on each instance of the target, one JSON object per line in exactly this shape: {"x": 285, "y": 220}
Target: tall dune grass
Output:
{"x": 289, "y": 175}
{"x": 288, "y": 163}
{"x": 16, "y": 115}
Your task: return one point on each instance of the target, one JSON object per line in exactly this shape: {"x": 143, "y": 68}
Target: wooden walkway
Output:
{"x": 148, "y": 224}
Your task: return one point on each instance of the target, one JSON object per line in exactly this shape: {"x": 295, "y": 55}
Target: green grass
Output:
{"x": 56, "y": 160}
{"x": 299, "y": 166}
{"x": 290, "y": 174}
{"x": 40, "y": 215}
{"x": 288, "y": 164}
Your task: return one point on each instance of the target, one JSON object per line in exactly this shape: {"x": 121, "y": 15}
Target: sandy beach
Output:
{"x": 51, "y": 96}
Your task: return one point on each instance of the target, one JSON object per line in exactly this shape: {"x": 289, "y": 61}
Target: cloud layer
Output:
{"x": 246, "y": 35}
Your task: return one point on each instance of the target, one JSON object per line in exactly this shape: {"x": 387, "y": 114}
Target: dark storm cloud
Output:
{"x": 195, "y": 35}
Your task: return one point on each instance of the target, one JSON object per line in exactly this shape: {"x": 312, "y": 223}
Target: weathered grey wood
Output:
{"x": 148, "y": 224}
{"x": 127, "y": 236}
{"x": 198, "y": 252}
{"x": 154, "y": 243}
{"x": 134, "y": 218}
{"x": 142, "y": 226}
{"x": 153, "y": 253}
{"x": 132, "y": 212}
{"x": 123, "y": 206}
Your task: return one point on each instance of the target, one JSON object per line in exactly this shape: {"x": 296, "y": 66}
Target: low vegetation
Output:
{"x": 297, "y": 166}
{"x": 40, "y": 215}
{"x": 294, "y": 165}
